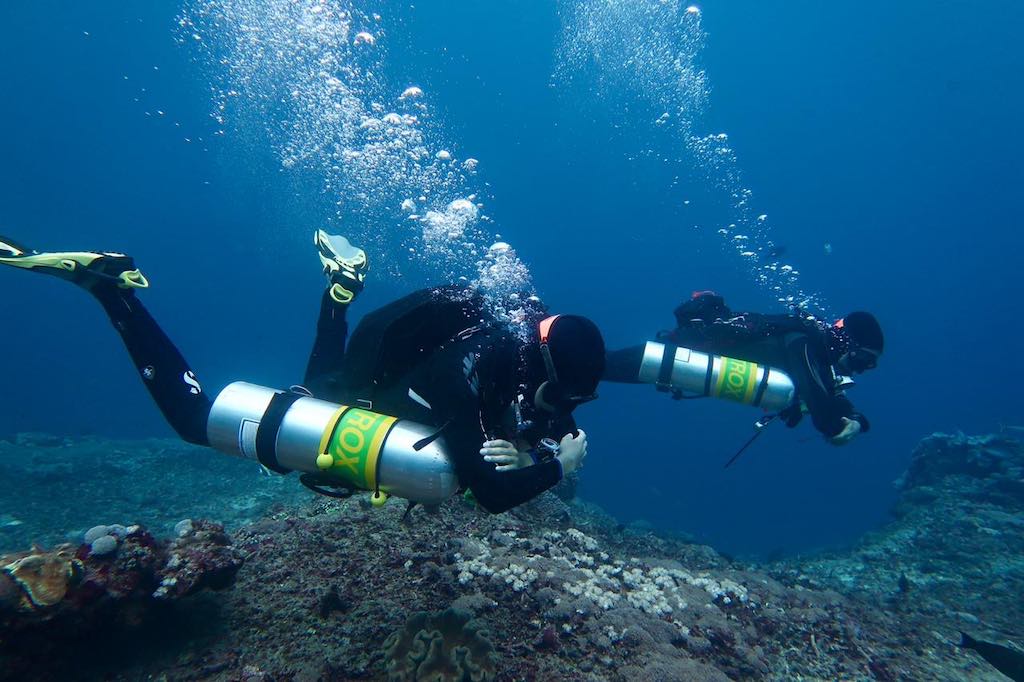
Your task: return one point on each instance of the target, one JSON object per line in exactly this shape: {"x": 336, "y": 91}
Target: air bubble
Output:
{"x": 302, "y": 71}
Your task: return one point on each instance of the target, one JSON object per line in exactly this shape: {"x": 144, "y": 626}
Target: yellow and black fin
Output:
{"x": 10, "y": 248}
{"x": 345, "y": 265}
{"x": 85, "y": 268}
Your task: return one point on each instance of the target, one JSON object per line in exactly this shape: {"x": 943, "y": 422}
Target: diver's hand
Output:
{"x": 573, "y": 450}
{"x": 504, "y": 455}
{"x": 851, "y": 427}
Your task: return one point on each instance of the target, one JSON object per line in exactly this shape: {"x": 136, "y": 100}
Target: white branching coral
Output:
{"x": 572, "y": 562}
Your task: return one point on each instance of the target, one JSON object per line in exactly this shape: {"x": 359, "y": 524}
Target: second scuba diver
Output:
{"x": 816, "y": 357}
{"x": 501, "y": 400}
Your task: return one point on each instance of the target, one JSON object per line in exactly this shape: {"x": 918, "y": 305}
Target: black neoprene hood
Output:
{"x": 578, "y": 352}
{"x": 864, "y": 330}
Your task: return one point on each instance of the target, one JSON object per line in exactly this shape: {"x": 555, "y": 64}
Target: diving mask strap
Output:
{"x": 545, "y": 332}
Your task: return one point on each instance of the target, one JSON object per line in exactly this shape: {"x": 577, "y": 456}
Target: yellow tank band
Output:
{"x": 737, "y": 380}
{"x": 355, "y": 445}
{"x": 332, "y": 426}
{"x": 376, "y": 445}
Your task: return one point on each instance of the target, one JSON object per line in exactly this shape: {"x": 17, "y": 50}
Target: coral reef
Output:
{"x": 37, "y": 578}
{"x": 201, "y": 556}
{"x": 443, "y": 647}
{"x": 338, "y": 590}
{"x": 51, "y": 597}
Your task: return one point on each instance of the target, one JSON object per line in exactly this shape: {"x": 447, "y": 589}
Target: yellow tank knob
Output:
{"x": 324, "y": 462}
{"x": 377, "y": 499}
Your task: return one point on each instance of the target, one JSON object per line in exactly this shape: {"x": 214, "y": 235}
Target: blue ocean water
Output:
{"x": 888, "y": 133}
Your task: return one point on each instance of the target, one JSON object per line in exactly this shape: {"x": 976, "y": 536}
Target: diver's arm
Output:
{"x": 496, "y": 491}
{"x": 815, "y": 387}
{"x": 623, "y": 366}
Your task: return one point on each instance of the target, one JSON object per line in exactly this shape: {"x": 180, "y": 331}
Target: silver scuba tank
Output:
{"x": 677, "y": 368}
{"x": 354, "y": 447}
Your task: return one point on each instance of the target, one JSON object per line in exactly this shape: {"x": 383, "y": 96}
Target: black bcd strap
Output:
{"x": 270, "y": 424}
{"x": 668, "y": 358}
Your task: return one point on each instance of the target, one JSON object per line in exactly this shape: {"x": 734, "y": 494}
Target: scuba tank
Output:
{"x": 334, "y": 445}
{"x": 682, "y": 370}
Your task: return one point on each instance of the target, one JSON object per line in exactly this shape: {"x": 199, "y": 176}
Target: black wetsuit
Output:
{"x": 434, "y": 357}
{"x": 797, "y": 345}
{"x": 170, "y": 380}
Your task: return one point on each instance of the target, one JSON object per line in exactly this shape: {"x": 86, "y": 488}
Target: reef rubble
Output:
{"x": 339, "y": 590}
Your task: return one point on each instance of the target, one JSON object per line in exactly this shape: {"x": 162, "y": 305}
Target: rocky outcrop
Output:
{"x": 339, "y": 590}
{"x": 951, "y": 559}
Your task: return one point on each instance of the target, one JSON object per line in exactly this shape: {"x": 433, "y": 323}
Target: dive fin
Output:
{"x": 345, "y": 265}
{"x": 10, "y": 248}
{"x": 85, "y": 268}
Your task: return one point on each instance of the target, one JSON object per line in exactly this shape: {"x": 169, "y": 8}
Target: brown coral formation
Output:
{"x": 41, "y": 578}
{"x": 446, "y": 646}
{"x": 49, "y": 599}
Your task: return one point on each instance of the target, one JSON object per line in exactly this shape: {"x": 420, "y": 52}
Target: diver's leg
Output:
{"x": 345, "y": 267}
{"x": 112, "y": 279}
{"x": 329, "y": 346}
{"x": 164, "y": 371}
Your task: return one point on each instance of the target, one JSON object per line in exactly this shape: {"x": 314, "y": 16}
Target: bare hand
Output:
{"x": 851, "y": 427}
{"x": 504, "y": 455}
{"x": 573, "y": 450}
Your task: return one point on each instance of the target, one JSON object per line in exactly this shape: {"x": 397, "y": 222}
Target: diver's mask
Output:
{"x": 854, "y": 355}
{"x": 857, "y": 360}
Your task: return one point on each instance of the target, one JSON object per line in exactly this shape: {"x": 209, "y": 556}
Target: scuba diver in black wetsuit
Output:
{"x": 472, "y": 402}
{"x": 816, "y": 358}
{"x": 439, "y": 357}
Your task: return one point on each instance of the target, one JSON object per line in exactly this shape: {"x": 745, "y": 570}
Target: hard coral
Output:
{"x": 443, "y": 647}
{"x": 43, "y": 577}
{"x": 60, "y": 590}
{"x": 201, "y": 557}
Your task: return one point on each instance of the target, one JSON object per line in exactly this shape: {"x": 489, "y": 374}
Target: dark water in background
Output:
{"x": 890, "y": 132}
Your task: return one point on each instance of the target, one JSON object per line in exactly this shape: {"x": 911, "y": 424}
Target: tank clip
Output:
{"x": 326, "y": 487}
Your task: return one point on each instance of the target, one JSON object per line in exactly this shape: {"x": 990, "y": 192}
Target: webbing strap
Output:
{"x": 710, "y": 372}
{"x": 668, "y": 359}
{"x": 270, "y": 424}
{"x": 762, "y": 387}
